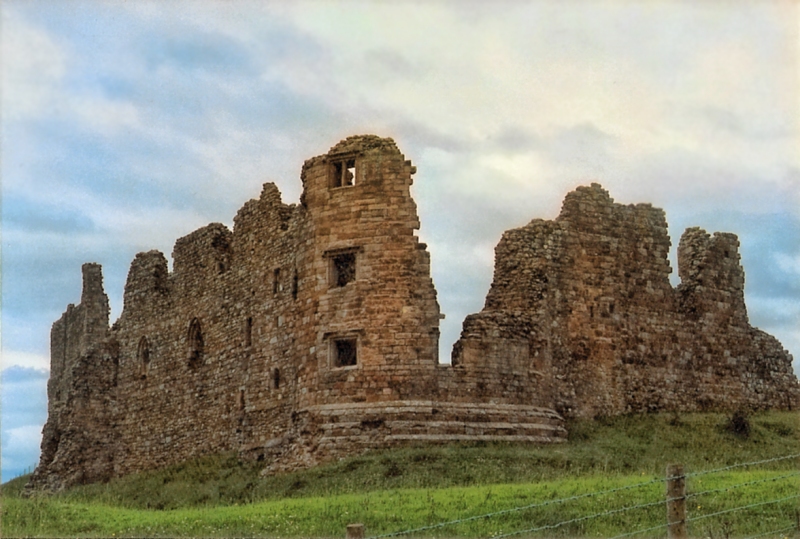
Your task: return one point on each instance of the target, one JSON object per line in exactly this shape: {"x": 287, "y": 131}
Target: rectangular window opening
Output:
{"x": 343, "y": 173}
{"x": 345, "y": 352}
{"x": 343, "y": 269}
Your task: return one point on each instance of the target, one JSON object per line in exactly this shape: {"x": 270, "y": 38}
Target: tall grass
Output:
{"x": 419, "y": 486}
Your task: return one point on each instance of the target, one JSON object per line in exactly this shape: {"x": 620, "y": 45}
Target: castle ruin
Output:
{"x": 311, "y": 332}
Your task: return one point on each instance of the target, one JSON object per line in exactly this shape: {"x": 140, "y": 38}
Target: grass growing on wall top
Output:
{"x": 394, "y": 489}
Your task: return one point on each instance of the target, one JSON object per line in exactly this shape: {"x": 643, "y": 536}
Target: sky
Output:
{"x": 128, "y": 124}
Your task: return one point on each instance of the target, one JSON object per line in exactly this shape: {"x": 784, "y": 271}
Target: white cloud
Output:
{"x": 20, "y": 448}
{"x": 33, "y": 67}
{"x": 11, "y": 358}
{"x": 788, "y": 263}
{"x": 23, "y": 438}
{"x": 666, "y": 81}
{"x": 105, "y": 116}
{"x": 34, "y": 72}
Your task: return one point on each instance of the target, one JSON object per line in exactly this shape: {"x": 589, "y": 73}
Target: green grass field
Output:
{"x": 395, "y": 490}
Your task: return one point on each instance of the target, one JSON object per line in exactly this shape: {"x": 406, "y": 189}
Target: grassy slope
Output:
{"x": 393, "y": 490}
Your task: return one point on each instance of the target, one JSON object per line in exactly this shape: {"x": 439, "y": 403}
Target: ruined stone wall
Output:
{"x": 591, "y": 291}
{"x": 83, "y": 370}
{"x": 308, "y": 332}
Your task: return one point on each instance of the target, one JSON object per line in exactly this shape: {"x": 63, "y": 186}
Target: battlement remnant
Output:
{"x": 311, "y": 332}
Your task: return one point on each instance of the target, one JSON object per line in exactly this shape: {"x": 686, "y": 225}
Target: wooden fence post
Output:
{"x": 676, "y": 502}
{"x": 355, "y": 531}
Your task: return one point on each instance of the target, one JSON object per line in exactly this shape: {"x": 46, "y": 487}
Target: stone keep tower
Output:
{"x": 375, "y": 326}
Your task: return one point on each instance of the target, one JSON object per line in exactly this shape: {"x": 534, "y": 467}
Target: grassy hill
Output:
{"x": 410, "y": 487}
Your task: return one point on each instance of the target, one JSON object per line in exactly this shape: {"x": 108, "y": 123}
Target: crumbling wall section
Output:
{"x": 75, "y": 446}
{"x": 617, "y": 337}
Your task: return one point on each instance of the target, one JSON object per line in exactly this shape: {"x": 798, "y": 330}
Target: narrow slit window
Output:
{"x": 143, "y": 355}
{"x": 295, "y": 282}
{"x": 196, "y": 344}
{"x": 345, "y": 352}
{"x": 248, "y": 332}
{"x": 276, "y": 281}
{"x": 276, "y": 378}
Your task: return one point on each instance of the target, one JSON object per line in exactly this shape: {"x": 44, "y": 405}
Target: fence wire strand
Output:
{"x": 741, "y": 465}
{"x": 517, "y": 509}
{"x": 742, "y": 508}
{"x": 774, "y": 532}
{"x": 587, "y": 517}
{"x": 747, "y": 483}
{"x": 624, "y": 509}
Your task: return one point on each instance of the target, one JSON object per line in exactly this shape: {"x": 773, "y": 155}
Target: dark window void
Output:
{"x": 276, "y": 378}
{"x": 196, "y": 344}
{"x": 240, "y": 400}
{"x": 295, "y": 282}
{"x": 248, "y": 332}
{"x": 343, "y": 269}
{"x": 143, "y": 356}
{"x": 343, "y": 173}
{"x": 345, "y": 352}
{"x": 276, "y": 281}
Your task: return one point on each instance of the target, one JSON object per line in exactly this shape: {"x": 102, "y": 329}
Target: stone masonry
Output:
{"x": 310, "y": 332}
{"x": 586, "y": 301}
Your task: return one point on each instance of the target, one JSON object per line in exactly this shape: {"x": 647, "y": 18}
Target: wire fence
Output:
{"x": 777, "y": 516}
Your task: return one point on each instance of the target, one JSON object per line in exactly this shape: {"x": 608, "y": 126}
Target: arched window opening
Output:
{"x": 143, "y": 357}
{"x": 196, "y": 344}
